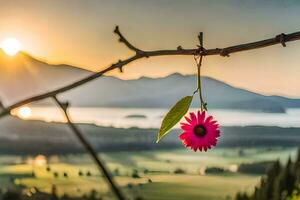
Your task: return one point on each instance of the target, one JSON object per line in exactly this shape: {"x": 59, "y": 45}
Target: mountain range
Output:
{"x": 23, "y": 76}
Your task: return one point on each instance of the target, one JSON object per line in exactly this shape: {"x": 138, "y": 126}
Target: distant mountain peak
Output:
{"x": 23, "y": 76}
{"x": 177, "y": 74}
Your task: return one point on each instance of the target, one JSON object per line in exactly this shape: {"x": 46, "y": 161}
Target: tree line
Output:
{"x": 281, "y": 182}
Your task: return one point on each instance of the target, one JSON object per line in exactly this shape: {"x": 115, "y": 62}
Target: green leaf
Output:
{"x": 173, "y": 116}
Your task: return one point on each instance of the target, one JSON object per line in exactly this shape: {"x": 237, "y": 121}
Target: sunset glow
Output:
{"x": 11, "y": 46}
{"x": 24, "y": 112}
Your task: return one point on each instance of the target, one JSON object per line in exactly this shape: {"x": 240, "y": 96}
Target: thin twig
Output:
{"x": 279, "y": 39}
{"x": 102, "y": 168}
{"x": 1, "y": 106}
{"x": 125, "y": 41}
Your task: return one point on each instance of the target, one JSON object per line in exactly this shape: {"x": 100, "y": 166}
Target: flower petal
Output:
{"x": 208, "y": 119}
{"x": 201, "y": 118}
{"x": 193, "y": 118}
{"x": 188, "y": 120}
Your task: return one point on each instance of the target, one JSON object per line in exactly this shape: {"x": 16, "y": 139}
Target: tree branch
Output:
{"x": 279, "y": 39}
{"x": 90, "y": 150}
{"x": 125, "y": 41}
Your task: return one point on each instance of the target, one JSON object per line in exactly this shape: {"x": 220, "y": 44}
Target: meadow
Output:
{"x": 156, "y": 174}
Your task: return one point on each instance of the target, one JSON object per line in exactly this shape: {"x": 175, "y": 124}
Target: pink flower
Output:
{"x": 200, "y": 132}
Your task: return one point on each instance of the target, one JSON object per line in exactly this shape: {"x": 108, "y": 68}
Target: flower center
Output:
{"x": 200, "y": 131}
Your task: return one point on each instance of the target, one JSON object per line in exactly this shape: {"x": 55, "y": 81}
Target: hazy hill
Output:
{"x": 22, "y": 76}
{"x": 163, "y": 92}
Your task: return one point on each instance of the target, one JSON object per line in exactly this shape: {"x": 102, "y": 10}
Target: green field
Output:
{"x": 155, "y": 169}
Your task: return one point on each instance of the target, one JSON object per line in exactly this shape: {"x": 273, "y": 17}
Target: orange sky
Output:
{"x": 80, "y": 33}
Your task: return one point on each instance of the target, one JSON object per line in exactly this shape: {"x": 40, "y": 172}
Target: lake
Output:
{"x": 152, "y": 117}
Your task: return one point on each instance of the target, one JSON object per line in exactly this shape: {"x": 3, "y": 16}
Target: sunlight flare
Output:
{"x": 11, "y": 46}
{"x": 24, "y": 112}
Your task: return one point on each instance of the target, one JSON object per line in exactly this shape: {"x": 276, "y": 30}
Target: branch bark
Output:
{"x": 279, "y": 39}
{"x": 102, "y": 168}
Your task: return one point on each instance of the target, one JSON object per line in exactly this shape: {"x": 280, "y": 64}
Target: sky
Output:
{"x": 80, "y": 33}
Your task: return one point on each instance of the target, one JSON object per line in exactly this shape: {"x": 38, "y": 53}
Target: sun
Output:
{"x": 24, "y": 112}
{"x": 11, "y": 46}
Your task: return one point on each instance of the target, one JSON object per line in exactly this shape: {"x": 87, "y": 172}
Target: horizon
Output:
{"x": 93, "y": 46}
